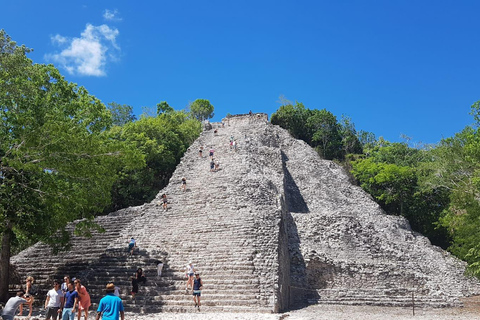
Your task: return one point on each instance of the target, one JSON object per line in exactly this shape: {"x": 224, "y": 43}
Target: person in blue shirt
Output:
{"x": 110, "y": 306}
{"x": 71, "y": 301}
{"x": 131, "y": 245}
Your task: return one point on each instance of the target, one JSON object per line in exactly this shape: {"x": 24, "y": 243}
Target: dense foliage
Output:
{"x": 64, "y": 155}
{"x": 162, "y": 141}
{"x": 435, "y": 187}
{"x": 201, "y": 109}
{"x": 55, "y": 163}
{"x": 320, "y": 129}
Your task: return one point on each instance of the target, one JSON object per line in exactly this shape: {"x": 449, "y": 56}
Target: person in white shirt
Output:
{"x": 116, "y": 291}
{"x": 54, "y": 301}
{"x": 189, "y": 272}
{"x": 64, "y": 287}
{"x": 159, "y": 268}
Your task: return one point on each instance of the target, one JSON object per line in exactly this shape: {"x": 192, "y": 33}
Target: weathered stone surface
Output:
{"x": 275, "y": 226}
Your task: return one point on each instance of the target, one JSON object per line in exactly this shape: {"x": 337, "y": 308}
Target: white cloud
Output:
{"x": 59, "y": 39}
{"x": 87, "y": 55}
{"x": 111, "y": 15}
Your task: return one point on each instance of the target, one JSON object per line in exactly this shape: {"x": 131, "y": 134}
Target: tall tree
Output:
{"x": 350, "y": 142}
{"x": 456, "y": 168}
{"x": 163, "y": 107}
{"x": 294, "y": 119}
{"x": 326, "y": 135}
{"x": 201, "y": 109}
{"x": 55, "y": 163}
{"x": 121, "y": 113}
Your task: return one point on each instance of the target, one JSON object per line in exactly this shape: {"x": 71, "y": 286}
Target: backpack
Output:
{"x": 33, "y": 290}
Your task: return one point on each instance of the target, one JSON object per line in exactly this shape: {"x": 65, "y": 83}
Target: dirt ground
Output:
{"x": 470, "y": 311}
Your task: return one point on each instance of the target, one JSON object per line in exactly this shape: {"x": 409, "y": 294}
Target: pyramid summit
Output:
{"x": 274, "y": 226}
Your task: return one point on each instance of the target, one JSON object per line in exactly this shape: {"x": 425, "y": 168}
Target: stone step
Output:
{"x": 204, "y": 309}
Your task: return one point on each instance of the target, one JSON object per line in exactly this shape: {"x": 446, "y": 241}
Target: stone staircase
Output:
{"x": 276, "y": 226}
{"x": 211, "y": 224}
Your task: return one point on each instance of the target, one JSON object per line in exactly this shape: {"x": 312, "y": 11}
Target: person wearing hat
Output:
{"x": 110, "y": 306}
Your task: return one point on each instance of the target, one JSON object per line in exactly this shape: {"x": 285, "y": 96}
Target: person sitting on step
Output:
{"x": 140, "y": 276}
{"x": 136, "y": 279}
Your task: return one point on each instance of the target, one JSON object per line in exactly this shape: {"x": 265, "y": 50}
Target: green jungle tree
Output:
{"x": 121, "y": 113}
{"x": 163, "y": 107}
{"x": 55, "y": 163}
{"x": 201, "y": 109}
{"x": 162, "y": 141}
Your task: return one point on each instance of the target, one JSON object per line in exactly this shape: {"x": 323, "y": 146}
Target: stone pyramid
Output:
{"x": 274, "y": 227}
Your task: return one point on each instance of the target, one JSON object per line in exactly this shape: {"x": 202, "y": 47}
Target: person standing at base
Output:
{"x": 54, "y": 301}
{"x": 110, "y": 306}
{"x": 71, "y": 301}
{"x": 66, "y": 280}
{"x": 117, "y": 291}
{"x": 83, "y": 299}
{"x": 12, "y": 305}
{"x": 197, "y": 290}
{"x": 29, "y": 291}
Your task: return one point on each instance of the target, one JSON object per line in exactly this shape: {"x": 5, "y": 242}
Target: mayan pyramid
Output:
{"x": 275, "y": 226}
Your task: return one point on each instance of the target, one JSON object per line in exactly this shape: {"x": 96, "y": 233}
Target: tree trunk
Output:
{"x": 5, "y": 264}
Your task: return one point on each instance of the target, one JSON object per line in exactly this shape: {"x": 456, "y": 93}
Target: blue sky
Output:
{"x": 394, "y": 67}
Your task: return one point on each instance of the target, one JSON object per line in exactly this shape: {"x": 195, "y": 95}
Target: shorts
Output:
{"x": 211, "y": 154}
{"x": 197, "y": 293}
{"x": 130, "y": 246}
{"x": 51, "y": 312}
{"x": 7, "y": 317}
{"x": 191, "y": 274}
{"x": 68, "y": 314}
